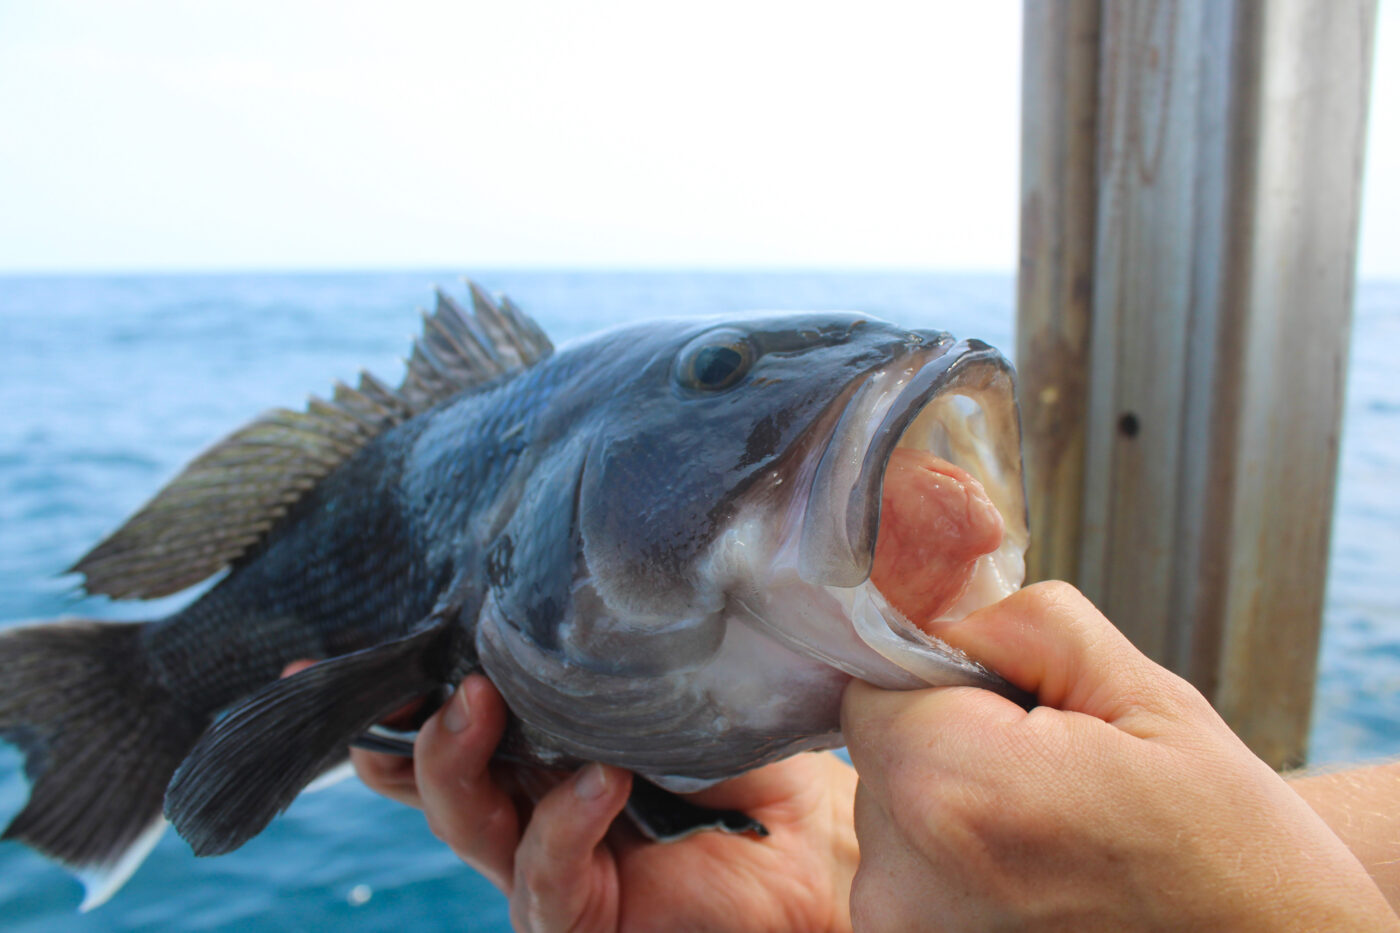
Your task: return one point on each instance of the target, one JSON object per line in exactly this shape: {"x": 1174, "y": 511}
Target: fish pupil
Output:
{"x": 716, "y": 367}
{"x": 714, "y": 361}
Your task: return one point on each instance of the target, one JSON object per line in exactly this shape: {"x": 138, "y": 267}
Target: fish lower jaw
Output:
{"x": 911, "y": 643}
{"x": 854, "y": 630}
{"x": 969, "y": 436}
{"x": 922, "y": 658}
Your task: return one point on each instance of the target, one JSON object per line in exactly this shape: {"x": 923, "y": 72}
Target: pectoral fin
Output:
{"x": 666, "y": 817}
{"x": 657, "y": 813}
{"x": 252, "y": 763}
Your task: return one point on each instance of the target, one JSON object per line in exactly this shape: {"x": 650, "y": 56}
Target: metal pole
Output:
{"x": 1225, "y": 200}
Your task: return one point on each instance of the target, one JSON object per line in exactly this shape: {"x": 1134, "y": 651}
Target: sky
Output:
{"x": 170, "y": 135}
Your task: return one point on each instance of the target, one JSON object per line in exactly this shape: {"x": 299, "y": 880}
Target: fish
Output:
{"x": 669, "y": 545}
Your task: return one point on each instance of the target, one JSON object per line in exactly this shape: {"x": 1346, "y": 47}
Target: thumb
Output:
{"x": 1051, "y": 641}
{"x": 1047, "y": 639}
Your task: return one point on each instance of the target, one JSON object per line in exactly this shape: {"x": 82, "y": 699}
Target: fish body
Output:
{"x": 657, "y": 543}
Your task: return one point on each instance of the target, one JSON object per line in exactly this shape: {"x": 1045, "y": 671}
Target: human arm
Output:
{"x": 1122, "y": 802}
{"x": 1362, "y": 806}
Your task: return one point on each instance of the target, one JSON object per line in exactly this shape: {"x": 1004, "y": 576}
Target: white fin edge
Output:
{"x": 329, "y": 778}
{"x": 100, "y": 882}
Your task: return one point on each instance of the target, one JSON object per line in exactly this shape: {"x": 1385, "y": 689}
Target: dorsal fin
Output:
{"x": 230, "y": 495}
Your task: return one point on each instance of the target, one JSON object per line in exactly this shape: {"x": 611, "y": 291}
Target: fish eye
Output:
{"x": 714, "y": 361}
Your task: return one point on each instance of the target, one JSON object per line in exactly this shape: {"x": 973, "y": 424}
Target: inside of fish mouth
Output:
{"x": 953, "y": 427}
{"x": 929, "y": 430}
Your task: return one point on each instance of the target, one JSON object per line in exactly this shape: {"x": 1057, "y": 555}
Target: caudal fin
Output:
{"x": 101, "y": 739}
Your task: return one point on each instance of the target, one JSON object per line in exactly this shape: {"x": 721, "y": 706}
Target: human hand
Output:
{"x": 1122, "y": 802}
{"x": 565, "y": 867}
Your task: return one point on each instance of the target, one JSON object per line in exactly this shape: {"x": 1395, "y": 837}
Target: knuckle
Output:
{"x": 1053, "y": 593}
{"x": 532, "y": 880}
{"x": 464, "y": 818}
{"x": 522, "y": 914}
{"x": 864, "y": 915}
{"x": 444, "y": 767}
{"x": 381, "y": 771}
{"x": 493, "y": 823}
{"x": 444, "y": 829}
{"x": 1180, "y": 693}
{"x": 874, "y": 905}
{"x": 1155, "y": 689}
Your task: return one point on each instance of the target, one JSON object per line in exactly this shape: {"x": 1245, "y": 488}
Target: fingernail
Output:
{"x": 591, "y": 782}
{"x": 458, "y": 714}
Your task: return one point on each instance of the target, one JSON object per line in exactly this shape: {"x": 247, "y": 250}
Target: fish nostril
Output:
{"x": 1128, "y": 424}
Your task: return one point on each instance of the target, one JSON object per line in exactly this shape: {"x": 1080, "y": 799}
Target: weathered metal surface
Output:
{"x": 1214, "y": 331}
{"x": 1059, "y": 92}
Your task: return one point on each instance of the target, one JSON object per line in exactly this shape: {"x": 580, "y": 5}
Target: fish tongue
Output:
{"x": 935, "y": 522}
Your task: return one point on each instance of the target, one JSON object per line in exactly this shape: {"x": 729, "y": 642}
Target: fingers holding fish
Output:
{"x": 465, "y": 806}
{"x": 1050, "y": 640}
{"x": 566, "y": 877}
{"x": 1122, "y": 802}
{"x": 886, "y": 871}
{"x": 389, "y": 775}
{"x": 296, "y": 667}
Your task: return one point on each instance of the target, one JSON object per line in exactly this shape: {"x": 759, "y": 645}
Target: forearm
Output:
{"x": 1362, "y": 806}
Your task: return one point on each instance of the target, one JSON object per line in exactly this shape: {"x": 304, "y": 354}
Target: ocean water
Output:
{"x": 109, "y": 384}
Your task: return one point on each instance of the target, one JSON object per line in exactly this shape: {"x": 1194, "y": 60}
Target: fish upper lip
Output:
{"x": 838, "y": 533}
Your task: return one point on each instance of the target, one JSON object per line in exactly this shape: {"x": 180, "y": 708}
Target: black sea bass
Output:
{"x": 669, "y": 545}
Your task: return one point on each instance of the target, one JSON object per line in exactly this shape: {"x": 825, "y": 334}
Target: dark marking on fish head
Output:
{"x": 764, "y": 439}
{"x": 531, "y": 565}
{"x": 500, "y": 569}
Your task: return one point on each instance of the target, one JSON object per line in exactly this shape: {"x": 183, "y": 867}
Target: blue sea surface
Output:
{"x": 109, "y": 384}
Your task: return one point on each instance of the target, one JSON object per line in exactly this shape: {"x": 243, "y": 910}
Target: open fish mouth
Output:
{"x": 954, "y": 401}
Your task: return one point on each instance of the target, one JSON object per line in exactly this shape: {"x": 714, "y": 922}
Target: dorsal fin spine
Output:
{"x": 492, "y": 321}
{"x": 467, "y": 360}
{"x": 369, "y": 412}
{"x": 423, "y": 355}
{"x": 439, "y": 323}
{"x": 540, "y": 345}
{"x": 451, "y": 316}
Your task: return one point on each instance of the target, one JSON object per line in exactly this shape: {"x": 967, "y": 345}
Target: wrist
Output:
{"x": 1358, "y": 805}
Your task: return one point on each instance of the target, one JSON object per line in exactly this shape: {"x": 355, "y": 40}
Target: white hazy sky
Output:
{"x": 169, "y": 135}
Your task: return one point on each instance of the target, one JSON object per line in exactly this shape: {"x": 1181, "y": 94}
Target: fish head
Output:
{"x": 810, "y": 585}
{"x": 749, "y": 468}
{"x": 723, "y": 506}
{"x": 715, "y": 417}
